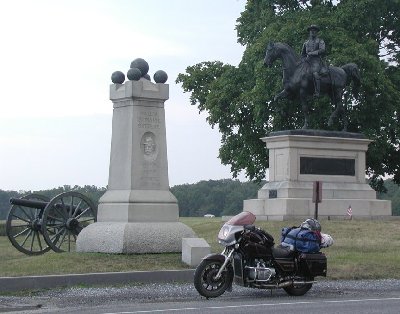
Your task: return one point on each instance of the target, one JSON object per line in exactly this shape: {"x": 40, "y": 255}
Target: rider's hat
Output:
{"x": 313, "y": 26}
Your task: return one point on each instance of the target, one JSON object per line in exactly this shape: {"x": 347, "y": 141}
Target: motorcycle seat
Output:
{"x": 281, "y": 252}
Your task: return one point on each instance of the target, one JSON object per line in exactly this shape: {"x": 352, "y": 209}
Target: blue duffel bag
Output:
{"x": 301, "y": 240}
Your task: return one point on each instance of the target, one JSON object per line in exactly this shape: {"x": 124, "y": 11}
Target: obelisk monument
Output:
{"x": 138, "y": 213}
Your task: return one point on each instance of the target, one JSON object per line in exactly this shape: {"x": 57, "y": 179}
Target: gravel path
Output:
{"x": 79, "y": 297}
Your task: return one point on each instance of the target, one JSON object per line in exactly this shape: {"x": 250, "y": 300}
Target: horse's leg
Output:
{"x": 334, "y": 114}
{"x": 342, "y": 111}
{"x": 336, "y": 99}
{"x": 304, "y": 107}
{"x": 282, "y": 94}
{"x": 345, "y": 121}
{"x": 339, "y": 111}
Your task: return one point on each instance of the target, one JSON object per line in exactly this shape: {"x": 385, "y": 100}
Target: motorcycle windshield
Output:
{"x": 242, "y": 219}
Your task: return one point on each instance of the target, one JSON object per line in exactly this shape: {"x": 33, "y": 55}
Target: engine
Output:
{"x": 260, "y": 272}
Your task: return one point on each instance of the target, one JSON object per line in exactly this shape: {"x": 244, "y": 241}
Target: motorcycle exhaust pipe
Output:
{"x": 290, "y": 283}
{"x": 275, "y": 286}
{"x": 303, "y": 282}
{"x": 285, "y": 284}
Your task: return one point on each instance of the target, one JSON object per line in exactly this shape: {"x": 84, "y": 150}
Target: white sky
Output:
{"x": 56, "y": 60}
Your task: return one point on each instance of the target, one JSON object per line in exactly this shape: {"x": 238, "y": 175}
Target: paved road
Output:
{"x": 381, "y": 296}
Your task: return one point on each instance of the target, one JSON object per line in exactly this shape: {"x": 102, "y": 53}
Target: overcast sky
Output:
{"x": 56, "y": 60}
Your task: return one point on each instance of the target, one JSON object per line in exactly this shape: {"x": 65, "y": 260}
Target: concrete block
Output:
{"x": 193, "y": 250}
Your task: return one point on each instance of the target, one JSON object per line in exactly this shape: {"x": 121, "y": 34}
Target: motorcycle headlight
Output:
{"x": 224, "y": 232}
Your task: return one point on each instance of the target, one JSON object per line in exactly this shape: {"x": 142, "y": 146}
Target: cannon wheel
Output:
{"x": 23, "y": 227}
{"x": 64, "y": 217}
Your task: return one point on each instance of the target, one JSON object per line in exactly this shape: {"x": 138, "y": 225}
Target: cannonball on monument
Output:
{"x": 141, "y": 64}
{"x": 118, "y": 77}
{"x": 134, "y": 74}
{"x": 147, "y": 77}
{"x": 160, "y": 76}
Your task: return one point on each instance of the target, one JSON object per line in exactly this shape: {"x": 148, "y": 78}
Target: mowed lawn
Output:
{"x": 362, "y": 249}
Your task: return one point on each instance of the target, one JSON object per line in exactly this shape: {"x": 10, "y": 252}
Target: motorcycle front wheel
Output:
{"x": 206, "y": 283}
{"x": 298, "y": 290}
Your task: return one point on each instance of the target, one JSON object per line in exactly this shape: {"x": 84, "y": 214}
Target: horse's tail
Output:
{"x": 353, "y": 73}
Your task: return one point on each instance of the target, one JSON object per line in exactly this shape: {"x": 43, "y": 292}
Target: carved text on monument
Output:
{"x": 148, "y": 120}
{"x": 150, "y": 178}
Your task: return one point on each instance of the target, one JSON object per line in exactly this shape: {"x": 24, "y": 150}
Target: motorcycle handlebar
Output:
{"x": 250, "y": 227}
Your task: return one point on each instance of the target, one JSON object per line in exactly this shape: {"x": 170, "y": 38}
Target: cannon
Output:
{"x": 36, "y": 224}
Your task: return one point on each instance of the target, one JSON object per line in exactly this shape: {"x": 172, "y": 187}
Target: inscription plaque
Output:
{"x": 273, "y": 194}
{"x": 327, "y": 166}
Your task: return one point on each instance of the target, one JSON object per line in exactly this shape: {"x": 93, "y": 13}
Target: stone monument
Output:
{"x": 297, "y": 158}
{"x": 138, "y": 213}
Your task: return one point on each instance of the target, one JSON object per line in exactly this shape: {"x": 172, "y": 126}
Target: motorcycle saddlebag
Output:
{"x": 313, "y": 264}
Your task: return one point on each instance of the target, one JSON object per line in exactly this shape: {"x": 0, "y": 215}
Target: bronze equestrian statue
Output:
{"x": 309, "y": 75}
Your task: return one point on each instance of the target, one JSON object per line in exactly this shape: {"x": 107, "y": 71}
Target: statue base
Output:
{"x": 130, "y": 237}
{"x": 297, "y": 158}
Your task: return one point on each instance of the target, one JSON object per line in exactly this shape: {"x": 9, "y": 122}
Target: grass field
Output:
{"x": 362, "y": 249}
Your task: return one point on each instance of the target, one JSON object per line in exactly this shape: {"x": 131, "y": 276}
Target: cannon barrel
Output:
{"x": 39, "y": 204}
{"x": 28, "y": 203}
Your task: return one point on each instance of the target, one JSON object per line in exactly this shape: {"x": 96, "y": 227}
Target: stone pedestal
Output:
{"x": 297, "y": 158}
{"x": 138, "y": 213}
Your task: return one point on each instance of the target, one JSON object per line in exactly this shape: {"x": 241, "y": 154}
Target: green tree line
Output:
{"x": 217, "y": 197}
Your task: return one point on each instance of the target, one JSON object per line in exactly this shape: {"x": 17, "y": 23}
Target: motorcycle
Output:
{"x": 251, "y": 259}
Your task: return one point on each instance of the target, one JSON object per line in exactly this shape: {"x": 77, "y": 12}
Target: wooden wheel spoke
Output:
{"x": 18, "y": 217}
{"x": 21, "y": 226}
{"x": 64, "y": 207}
{"x": 55, "y": 218}
{"x": 33, "y": 240}
{"x": 29, "y": 217}
{"x": 82, "y": 213}
{"x": 61, "y": 213}
{"x": 39, "y": 242}
{"x": 63, "y": 238}
{"x": 57, "y": 234}
{"x": 26, "y": 238}
{"x": 51, "y": 230}
{"x": 77, "y": 207}
{"x": 86, "y": 220}
{"x": 22, "y": 232}
{"x": 55, "y": 225}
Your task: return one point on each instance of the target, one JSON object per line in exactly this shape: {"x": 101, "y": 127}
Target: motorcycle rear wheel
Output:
{"x": 298, "y": 290}
{"x": 205, "y": 282}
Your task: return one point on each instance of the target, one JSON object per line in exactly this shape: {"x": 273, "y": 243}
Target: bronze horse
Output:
{"x": 298, "y": 81}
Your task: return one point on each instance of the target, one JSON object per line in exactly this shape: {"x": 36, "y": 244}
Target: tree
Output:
{"x": 238, "y": 99}
{"x": 218, "y": 197}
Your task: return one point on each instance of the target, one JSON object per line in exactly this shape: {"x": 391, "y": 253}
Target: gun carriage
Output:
{"x": 37, "y": 224}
